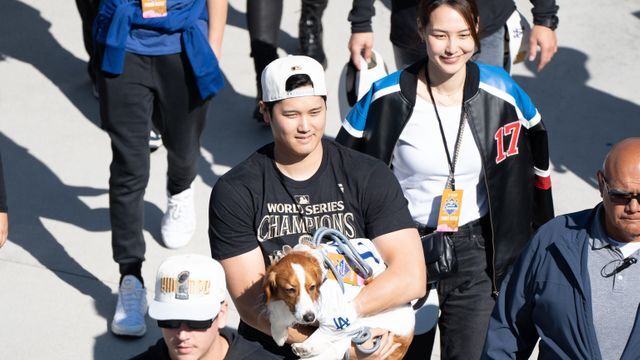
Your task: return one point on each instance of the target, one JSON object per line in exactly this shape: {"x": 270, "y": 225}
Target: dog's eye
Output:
{"x": 312, "y": 287}
{"x": 290, "y": 290}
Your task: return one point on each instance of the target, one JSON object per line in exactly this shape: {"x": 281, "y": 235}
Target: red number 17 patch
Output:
{"x": 512, "y": 129}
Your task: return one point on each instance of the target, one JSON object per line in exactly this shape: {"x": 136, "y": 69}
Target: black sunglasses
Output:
{"x": 191, "y": 324}
{"x": 620, "y": 197}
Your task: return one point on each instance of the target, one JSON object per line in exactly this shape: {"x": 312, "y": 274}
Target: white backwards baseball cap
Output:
{"x": 275, "y": 76}
{"x": 188, "y": 287}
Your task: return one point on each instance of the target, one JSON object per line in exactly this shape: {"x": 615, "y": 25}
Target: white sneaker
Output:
{"x": 179, "y": 222}
{"x": 132, "y": 305}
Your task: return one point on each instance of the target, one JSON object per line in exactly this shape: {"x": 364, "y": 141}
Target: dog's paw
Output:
{"x": 304, "y": 350}
{"x": 280, "y": 337}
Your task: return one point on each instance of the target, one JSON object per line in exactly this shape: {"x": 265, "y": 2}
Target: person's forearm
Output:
{"x": 405, "y": 278}
{"x": 217, "y": 20}
{"x": 390, "y": 289}
{"x": 251, "y": 308}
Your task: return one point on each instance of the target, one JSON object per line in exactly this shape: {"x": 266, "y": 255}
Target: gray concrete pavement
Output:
{"x": 57, "y": 277}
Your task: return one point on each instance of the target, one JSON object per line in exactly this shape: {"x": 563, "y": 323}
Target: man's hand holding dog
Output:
{"x": 387, "y": 346}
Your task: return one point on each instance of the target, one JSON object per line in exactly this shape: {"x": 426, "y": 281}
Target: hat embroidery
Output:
{"x": 188, "y": 286}
{"x": 183, "y": 286}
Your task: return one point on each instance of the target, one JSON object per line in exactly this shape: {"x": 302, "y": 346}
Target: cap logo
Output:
{"x": 296, "y": 68}
{"x": 183, "y": 286}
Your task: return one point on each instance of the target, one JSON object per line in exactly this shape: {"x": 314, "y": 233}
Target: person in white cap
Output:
{"x": 287, "y": 189}
{"x": 191, "y": 310}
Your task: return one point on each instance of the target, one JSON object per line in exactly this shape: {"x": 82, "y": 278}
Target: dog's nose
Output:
{"x": 308, "y": 317}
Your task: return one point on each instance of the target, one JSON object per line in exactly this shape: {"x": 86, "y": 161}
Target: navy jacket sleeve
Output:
{"x": 511, "y": 333}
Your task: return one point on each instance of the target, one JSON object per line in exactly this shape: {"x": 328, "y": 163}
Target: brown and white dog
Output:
{"x": 298, "y": 292}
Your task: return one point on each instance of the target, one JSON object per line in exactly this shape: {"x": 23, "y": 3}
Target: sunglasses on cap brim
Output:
{"x": 191, "y": 324}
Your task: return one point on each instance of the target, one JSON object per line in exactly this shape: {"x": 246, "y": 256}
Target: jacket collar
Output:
{"x": 409, "y": 80}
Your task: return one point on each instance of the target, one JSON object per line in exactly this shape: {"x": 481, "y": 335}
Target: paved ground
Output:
{"x": 56, "y": 274}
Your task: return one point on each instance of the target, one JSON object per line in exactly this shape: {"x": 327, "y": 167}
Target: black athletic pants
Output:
{"x": 158, "y": 89}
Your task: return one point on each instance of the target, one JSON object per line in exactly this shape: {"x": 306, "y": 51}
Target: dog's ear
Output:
{"x": 269, "y": 284}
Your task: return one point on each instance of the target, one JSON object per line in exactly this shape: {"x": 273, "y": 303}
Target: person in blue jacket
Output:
{"x": 157, "y": 66}
{"x": 576, "y": 286}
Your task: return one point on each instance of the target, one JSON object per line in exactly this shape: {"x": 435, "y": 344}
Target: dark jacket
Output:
{"x": 516, "y": 177}
{"x": 239, "y": 349}
{"x": 548, "y": 296}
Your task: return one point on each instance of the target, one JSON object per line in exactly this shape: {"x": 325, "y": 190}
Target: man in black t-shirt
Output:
{"x": 286, "y": 190}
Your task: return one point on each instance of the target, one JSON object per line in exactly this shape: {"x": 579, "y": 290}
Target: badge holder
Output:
{"x": 153, "y": 8}
{"x": 451, "y": 201}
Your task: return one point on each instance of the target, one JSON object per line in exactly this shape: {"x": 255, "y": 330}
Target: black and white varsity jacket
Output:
{"x": 508, "y": 131}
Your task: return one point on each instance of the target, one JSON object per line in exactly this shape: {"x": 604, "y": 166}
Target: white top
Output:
{"x": 420, "y": 164}
{"x": 625, "y": 248}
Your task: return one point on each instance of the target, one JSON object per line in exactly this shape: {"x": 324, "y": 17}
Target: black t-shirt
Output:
{"x": 254, "y": 205}
{"x": 239, "y": 349}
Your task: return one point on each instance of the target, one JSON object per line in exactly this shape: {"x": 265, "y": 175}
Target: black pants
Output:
{"x": 158, "y": 89}
{"x": 88, "y": 10}
{"x": 263, "y": 19}
{"x": 466, "y": 299}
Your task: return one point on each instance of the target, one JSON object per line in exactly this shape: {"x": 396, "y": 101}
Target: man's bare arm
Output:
{"x": 244, "y": 282}
{"x": 404, "y": 279}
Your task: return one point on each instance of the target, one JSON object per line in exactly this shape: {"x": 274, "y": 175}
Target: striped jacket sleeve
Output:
{"x": 353, "y": 125}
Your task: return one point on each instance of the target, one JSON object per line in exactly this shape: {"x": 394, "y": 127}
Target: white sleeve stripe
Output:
{"x": 542, "y": 173}
{"x": 533, "y": 122}
{"x": 508, "y": 98}
{"x": 351, "y": 130}
{"x": 386, "y": 91}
